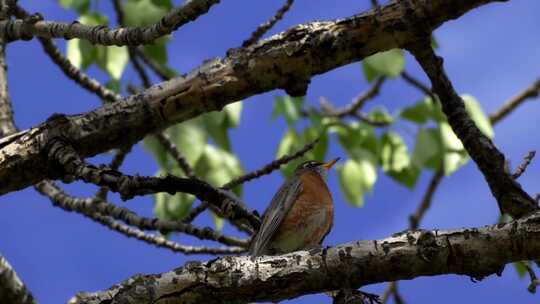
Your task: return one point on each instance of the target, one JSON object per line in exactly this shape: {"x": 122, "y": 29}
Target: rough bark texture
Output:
{"x": 12, "y": 289}
{"x": 474, "y": 252}
{"x": 287, "y": 60}
{"x": 511, "y": 197}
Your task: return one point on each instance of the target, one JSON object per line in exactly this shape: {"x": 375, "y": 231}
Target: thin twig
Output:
{"x": 274, "y": 165}
{"x": 530, "y": 92}
{"x": 416, "y": 217}
{"x": 357, "y": 103}
{"x": 523, "y": 166}
{"x": 116, "y": 162}
{"x": 151, "y": 64}
{"x": 194, "y": 212}
{"x": 103, "y": 35}
{"x": 265, "y": 27}
{"x": 160, "y": 241}
{"x": 71, "y": 71}
{"x": 91, "y": 205}
{"x": 392, "y": 290}
{"x": 169, "y": 145}
{"x": 419, "y": 85}
{"x": 534, "y": 280}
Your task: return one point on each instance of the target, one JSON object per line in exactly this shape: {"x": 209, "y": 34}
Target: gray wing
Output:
{"x": 273, "y": 216}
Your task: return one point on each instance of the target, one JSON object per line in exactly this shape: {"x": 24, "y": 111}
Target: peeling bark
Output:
{"x": 474, "y": 252}
{"x": 287, "y": 61}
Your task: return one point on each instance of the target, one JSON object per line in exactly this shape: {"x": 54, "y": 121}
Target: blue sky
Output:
{"x": 491, "y": 53}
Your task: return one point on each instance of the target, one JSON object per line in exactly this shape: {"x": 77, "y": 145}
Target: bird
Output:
{"x": 300, "y": 214}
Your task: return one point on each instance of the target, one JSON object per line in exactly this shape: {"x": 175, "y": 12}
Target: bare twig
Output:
{"x": 530, "y": 92}
{"x": 151, "y": 64}
{"x": 169, "y": 145}
{"x": 98, "y": 34}
{"x": 91, "y": 205}
{"x": 160, "y": 241}
{"x": 274, "y": 165}
{"x": 419, "y": 85}
{"x": 116, "y": 162}
{"x": 416, "y": 217}
{"x": 534, "y": 280}
{"x": 263, "y": 28}
{"x": 523, "y": 166}
{"x": 356, "y": 104}
{"x": 194, "y": 212}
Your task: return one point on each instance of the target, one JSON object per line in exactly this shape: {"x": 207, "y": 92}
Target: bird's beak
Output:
{"x": 329, "y": 164}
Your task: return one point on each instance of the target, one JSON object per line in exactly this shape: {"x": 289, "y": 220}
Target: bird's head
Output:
{"x": 316, "y": 165}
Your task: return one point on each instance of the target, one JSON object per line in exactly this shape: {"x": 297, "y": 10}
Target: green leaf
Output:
{"x": 218, "y": 166}
{"x": 82, "y": 53}
{"x": 424, "y": 110}
{"x": 477, "y": 115}
{"x": 93, "y": 19}
{"x": 113, "y": 85}
{"x": 172, "y": 207}
{"x": 454, "y": 154}
{"x": 418, "y": 113}
{"x": 434, "y": 43}
{"x": 113, "y": 60}
{"x": 395, "y": 160}
{"x": 355, "y": 179}
{"x": 167, "y": 4}
{"x": 520, "y": 268}
{"x": 288, "y": 143}
{"x": 428, "y": 150}
{"x": 357, "y": 139}
{"x": 381, "y": 115}
{"x": 319, "y": 151}
{"x": 153, "y": 146}
{"x": 216, "y": 126}
{"x": 218, "y": 222}
{"x": 394, "y": 154}
{"x": 74, "y": 53}
{"x": 143, "y": 12}
{"x": 389, "y": 63}
{"x": 233, "y": 112}
{"x": 407, "y": 177}
{"x": 190, "y": 137}
{"x": 289, "y": 107}
{"x": 80, "y": 6}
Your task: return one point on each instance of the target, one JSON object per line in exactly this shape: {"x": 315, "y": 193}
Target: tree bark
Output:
{"x": 287, "y": 61}
{"x": 474, "y": 252}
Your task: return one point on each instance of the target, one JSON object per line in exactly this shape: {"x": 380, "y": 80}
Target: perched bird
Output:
{"x": 300, "y": 214}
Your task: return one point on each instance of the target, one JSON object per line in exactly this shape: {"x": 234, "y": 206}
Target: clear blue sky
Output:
{"x": 491, "y": 53}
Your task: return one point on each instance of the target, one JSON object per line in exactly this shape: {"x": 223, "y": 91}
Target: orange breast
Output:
{"x": 309, "y": 219}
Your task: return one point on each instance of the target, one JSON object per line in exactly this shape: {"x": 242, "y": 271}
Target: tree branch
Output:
{"x": 287, "y": 60}
{"x": 475, "y": 252}
{"x": 12, "y": 289}
{"x": 491, "y": 162}
{"x": 509, "y": 106}
{"x": 90, "y": 207}
{"x": 265, "y": 27}
{"x": 28, "y": 28}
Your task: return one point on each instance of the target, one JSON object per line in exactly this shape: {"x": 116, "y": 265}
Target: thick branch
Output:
{"x": 491, "y": 162}
{"x": 287, "y": 60}
{"x": 12, "y": 289}
{"x": 475, "y": 252}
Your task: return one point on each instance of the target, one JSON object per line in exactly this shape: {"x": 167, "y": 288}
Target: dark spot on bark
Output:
{"x": 386, "y": 247}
